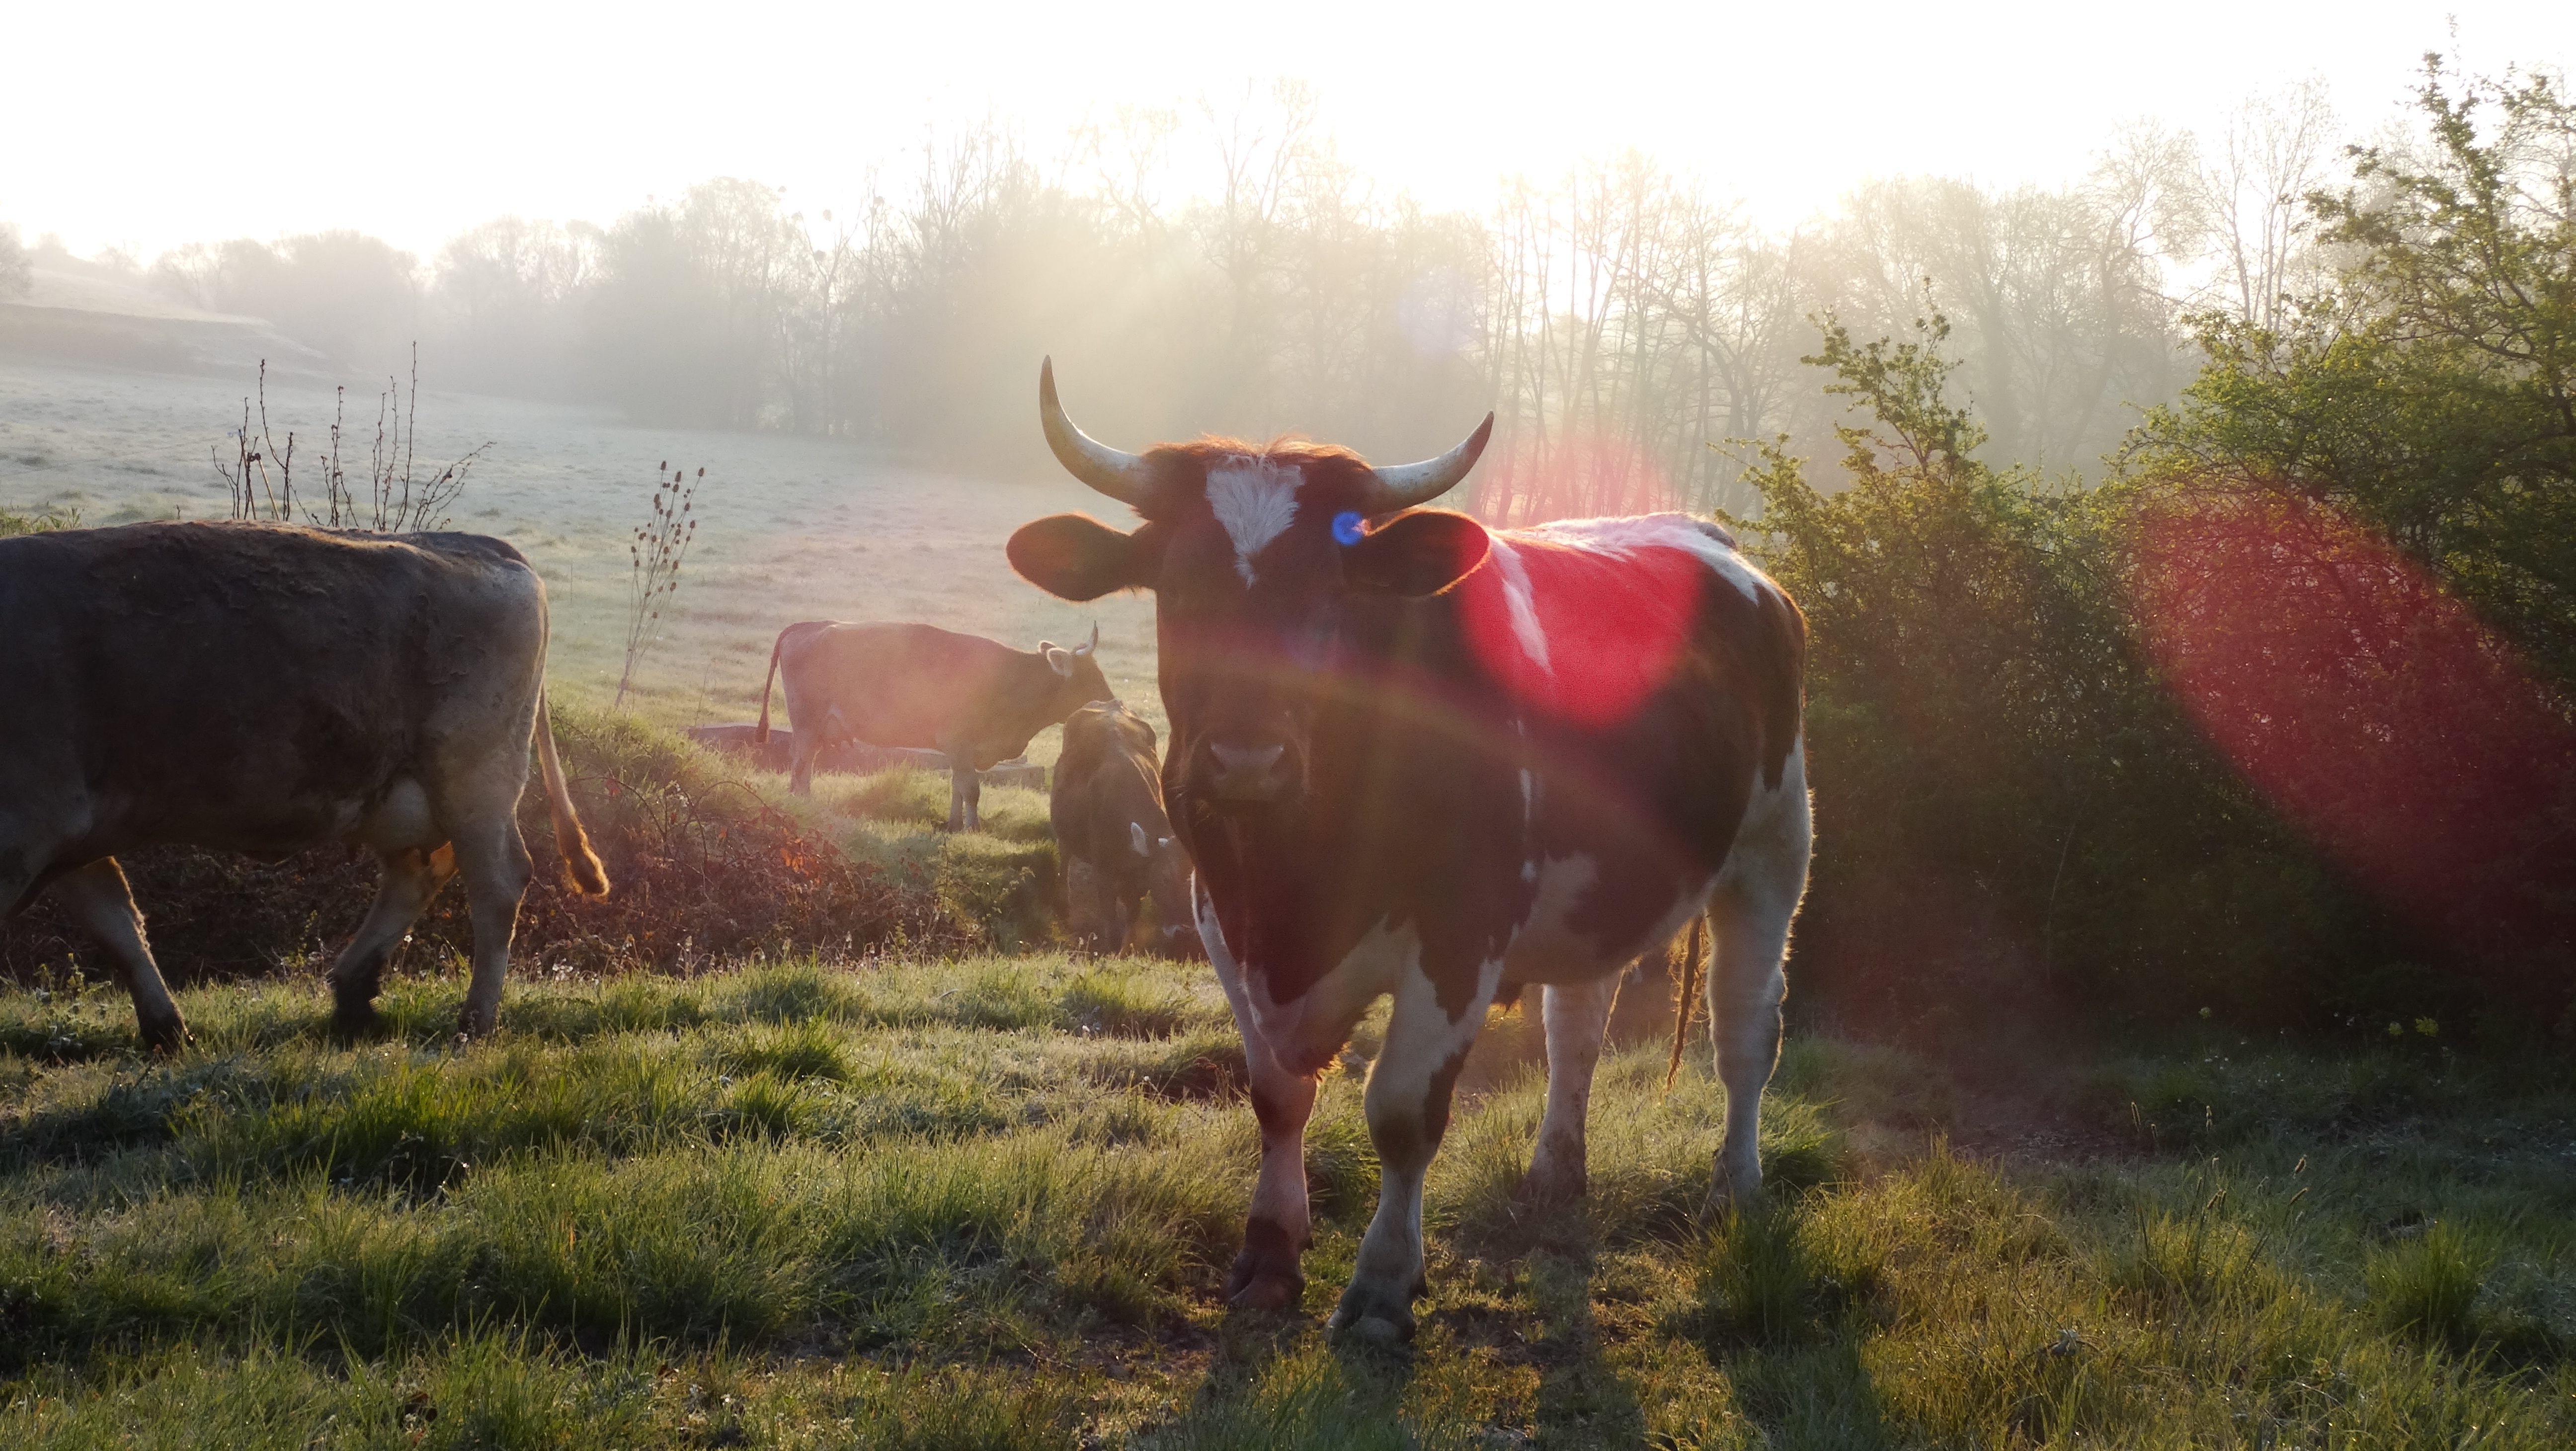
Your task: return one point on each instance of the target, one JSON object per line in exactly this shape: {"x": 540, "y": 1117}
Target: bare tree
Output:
{"x": 2274, "y": 151}
{"x": 389, "y": 499}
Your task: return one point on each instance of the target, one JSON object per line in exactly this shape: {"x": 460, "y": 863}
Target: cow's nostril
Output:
{"x": 1230, "y": 759}
{"x": 1246, "y": 773}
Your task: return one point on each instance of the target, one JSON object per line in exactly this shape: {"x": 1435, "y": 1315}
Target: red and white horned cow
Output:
{"x": 1414, "y": 757}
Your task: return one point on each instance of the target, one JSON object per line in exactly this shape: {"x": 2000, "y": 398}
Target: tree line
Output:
{"x": 1625, "y": 321}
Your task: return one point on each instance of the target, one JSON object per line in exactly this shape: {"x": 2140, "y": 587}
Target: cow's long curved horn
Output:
{"x": 1095, "y": 640}
{"x": 1122, "y": 476}
{"x": 1401, "y": 486}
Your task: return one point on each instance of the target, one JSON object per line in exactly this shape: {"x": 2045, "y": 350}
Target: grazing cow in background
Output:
{"x": 265, "y": 688}
{"x": 1107, "y": 807}
{"x": 1413, "y": 756}
{"x": 974, "y": 700}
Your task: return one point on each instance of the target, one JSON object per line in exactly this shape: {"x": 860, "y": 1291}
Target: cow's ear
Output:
{"x": 1076, "y": 557}
{"x": 1417, "y": 553}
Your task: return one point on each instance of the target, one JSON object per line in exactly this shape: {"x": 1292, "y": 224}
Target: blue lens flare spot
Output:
{"x": 1347, "y": 526}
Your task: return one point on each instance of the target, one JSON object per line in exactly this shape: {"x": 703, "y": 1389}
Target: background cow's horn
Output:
{"x": 1401, "y": 486}
{"x": 1119, "y": 475}
{"x": 1095, "y": 640}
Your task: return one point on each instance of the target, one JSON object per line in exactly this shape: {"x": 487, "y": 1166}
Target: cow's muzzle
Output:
{"x": 1252, "y": 773}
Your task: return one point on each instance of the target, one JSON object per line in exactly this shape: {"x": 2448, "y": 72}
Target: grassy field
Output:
{"x": 987, "y": 1203}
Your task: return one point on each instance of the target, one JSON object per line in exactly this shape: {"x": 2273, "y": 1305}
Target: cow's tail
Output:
{"x": 761, "y": 737}
{"x": 581, "y": 865}
{"x": 1686, "y": 1003}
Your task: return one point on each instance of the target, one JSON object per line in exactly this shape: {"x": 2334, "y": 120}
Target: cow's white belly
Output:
{"x": 1548, "y": 948}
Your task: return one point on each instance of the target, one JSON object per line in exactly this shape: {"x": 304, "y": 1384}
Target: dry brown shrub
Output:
{"x": 702, "y": 869}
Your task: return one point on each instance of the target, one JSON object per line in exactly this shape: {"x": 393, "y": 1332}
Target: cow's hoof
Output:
{"x": 471, "y": 1025}
{"x": 353, "y": 1012}
{"x": 1368, "y": 1316}
{"x": 1265, "y": 1276}
{"x": 1372, "y": 1332}
{"x": 1264, "y": 1291}
{"x": 163, "y": 1036}
{"x": 1727, "y": 1193}
{"x": 1552, "y": 1181}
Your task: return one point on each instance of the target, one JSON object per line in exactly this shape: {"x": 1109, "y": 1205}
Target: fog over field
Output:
{"x": 791, "y": 528}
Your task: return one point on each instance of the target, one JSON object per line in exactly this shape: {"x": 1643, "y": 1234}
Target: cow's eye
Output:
{"x": 1347, "y": 527}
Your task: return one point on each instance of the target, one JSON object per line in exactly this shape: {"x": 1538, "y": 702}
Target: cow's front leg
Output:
{"x": 97, "y": 898}
{"x": 1266, "y": 1275}
{"x": 1408, "y": 1111}
{"x": 965, "y": 785}
{"x": 1576, "y": 1016}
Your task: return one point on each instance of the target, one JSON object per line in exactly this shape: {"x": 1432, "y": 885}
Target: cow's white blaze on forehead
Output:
{"x": 1255, "y": 500}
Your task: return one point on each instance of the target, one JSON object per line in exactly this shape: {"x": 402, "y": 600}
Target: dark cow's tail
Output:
{"x": 761, "y": 736}
{"x": 582, "y": 868}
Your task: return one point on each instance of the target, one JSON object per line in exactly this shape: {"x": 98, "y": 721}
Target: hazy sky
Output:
{"x": 147, "y": 125}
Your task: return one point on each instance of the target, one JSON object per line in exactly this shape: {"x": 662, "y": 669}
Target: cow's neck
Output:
{"x": 1414, "y": 787}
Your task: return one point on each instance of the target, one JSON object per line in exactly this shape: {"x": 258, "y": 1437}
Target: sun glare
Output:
{"x": 188, "y": 124}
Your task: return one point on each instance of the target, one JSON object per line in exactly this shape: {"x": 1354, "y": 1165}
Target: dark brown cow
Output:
{"x": 974, "y": 700}
{"x": 1107, "y": 807}
{"x": 1414, "y": 757}
{"x": 265, "y": 688}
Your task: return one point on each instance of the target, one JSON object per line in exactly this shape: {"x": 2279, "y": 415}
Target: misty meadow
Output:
{"x": 2127, "y": 622}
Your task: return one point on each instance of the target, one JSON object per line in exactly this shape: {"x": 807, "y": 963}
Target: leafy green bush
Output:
{"x": 2276, "y": 727}
{"x": 2008, "y": 806}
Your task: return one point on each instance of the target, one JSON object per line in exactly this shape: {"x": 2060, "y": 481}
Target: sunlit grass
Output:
{"x": 989, "y": 1202}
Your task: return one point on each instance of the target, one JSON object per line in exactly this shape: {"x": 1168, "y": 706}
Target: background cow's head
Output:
{"x": 1077, "y": 672}
{"x": 1254, "y": 554}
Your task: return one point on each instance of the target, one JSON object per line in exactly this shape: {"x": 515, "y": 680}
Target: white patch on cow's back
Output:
{"x": 1517, "y": 604}
{"x": 1255, "y": 500}
{"x": 1622, "y": 537}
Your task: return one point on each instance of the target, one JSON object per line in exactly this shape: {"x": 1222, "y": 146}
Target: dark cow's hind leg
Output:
{"x": 802, "y": 747}
{"x": 1087, "y": 897}
{"x": 1748, "y": 925}
{"x": 1576, "y": 1016}
{"x": 411, "y": 879}
{"x": 97, "y": 898}
{"x": 494, "y": 861}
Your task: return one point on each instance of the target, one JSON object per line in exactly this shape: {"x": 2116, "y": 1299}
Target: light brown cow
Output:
{"x": 974, "y": 700}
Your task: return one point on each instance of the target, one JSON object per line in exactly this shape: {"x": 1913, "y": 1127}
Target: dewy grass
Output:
{"x": 990, "y": 1202}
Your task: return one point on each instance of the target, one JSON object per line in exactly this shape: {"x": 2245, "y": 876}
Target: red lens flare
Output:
{"x": 1591, "y": 635}
{"x": 2374, "y": 711}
